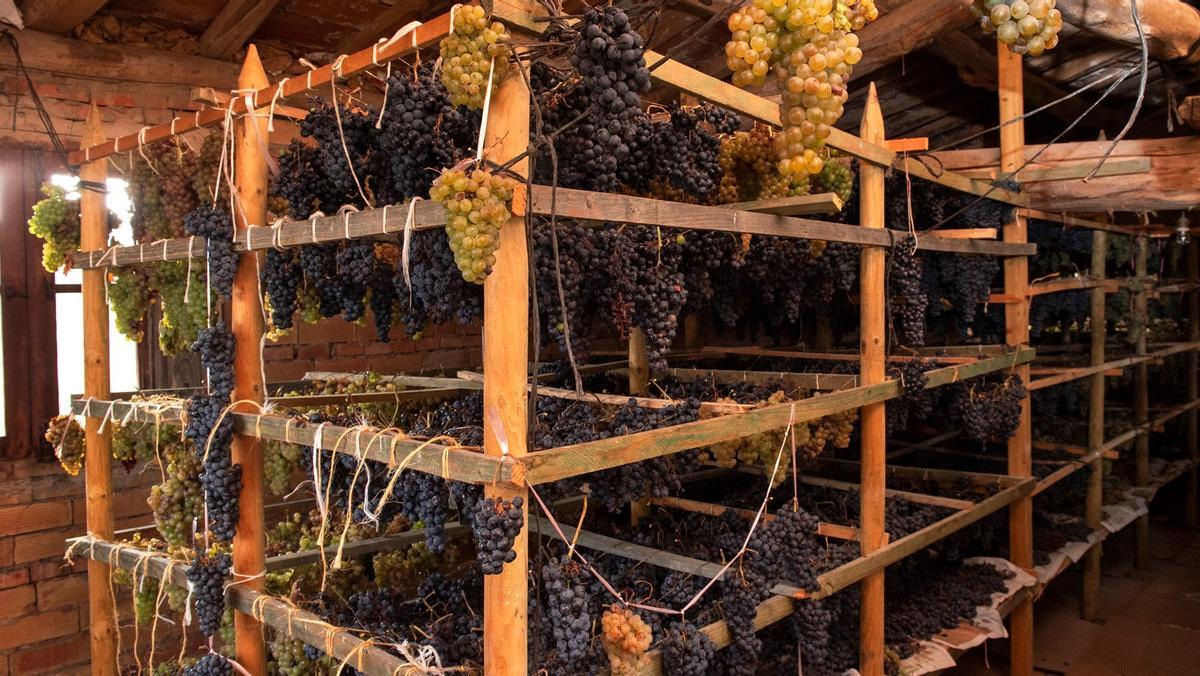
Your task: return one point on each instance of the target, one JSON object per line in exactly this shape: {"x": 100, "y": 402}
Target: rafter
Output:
{"x": 383, "y": 24}
{"x": 233, "y": 26}
{"x": 1170, "y": 26}
{"x": 58, "y": 16}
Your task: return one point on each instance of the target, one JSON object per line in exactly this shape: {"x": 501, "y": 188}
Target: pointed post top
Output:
{"x": 253, "y": 75}
{"x": 871, "y": 128}
{"x": 93, "y": 130}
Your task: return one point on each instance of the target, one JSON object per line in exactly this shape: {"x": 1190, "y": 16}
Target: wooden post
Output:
{"x": 93, "y": 234}
{"x": 1094, "y": 500}
{"x": 692, "y": 331}
{"x": 249, "y": 545}
{"x": 506, "y": 363}
{"x": 639, "y": 363}
{"x": 1141, "y": 398}
{"x": 1016, "y": 322}
{"x": 873, "y": 419}
{"x": 1193, "y": 385}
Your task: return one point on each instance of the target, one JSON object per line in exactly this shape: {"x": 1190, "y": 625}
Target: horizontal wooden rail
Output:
{"x": 1064, "y": 284}
{"x": 1067, "y": 172}
{"x": 836, "y": 531}
{"x": 1068, "y": 374}
{"x": 566, "y": 461}
{"x": 1078, "y": 222}
{"x": 706, "y": 407}
{"x": 284, "y": 617}
{"x": 808, "y": 381}
{"x": 1150, "y": 425}
{"x": 1067, "y": 470}
{"x": 389, "y": 447}
{"x": 424, "y": 36}
{"x": 1070, "y": 448}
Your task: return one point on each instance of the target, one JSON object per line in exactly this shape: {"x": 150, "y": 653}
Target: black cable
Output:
{"x": 43, "y": 114}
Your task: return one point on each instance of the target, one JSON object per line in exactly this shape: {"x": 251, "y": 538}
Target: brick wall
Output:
{"x": 43, "y": 602}
{"x": 337, "y": 345}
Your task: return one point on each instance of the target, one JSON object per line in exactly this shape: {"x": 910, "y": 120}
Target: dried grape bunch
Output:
{"x": 206, "y": 576}
{"x": 988, "y": 410}
{"x": 437, "y": 292}
{"x": 65, "y": 435}
{"x": 302, "y": 181}
{"x": 1026, "y": 26}
{"x": 211, "y": 664}
{"x": 473, "y": 56}
{"x": 355, "y": 264}
{"x": 179, "y": 500}
{"x": 477, "y": 206}
{"x": 282, "y": 277}
{"x": 216, "y": 346}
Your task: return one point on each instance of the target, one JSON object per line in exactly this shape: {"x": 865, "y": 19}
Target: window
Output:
{"x": 123, "y": 357}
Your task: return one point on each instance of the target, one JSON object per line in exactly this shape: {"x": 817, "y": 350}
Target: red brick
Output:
{"x": 40, "y": 627}
{"x": 79, "y": 511}
{"x": 45, "y": 545}
{"x": 377, "y": 348}
{"x": 353, "y": 365}
{"x": 6, "y": 552}
{"x": 313, "y": 351}
{"x": 14, "y": 578}
{"x": 396, "y": 363}
{"x": 326, "y": 331}
{"x": 282, "y": 371}
{"x": 51, "y": 658}
{"x": 130, "y": 503}
{"x": 35, "y": 517}
{"x": 452, "y": 342}
{"x": 15, "y": 493}
{"x": 349, "y": 349}
{"x": 279, "y": 352}
{"x": 17, "y": 601}
{"x": 47, "y": 570}
{"x": 62, "y": 592}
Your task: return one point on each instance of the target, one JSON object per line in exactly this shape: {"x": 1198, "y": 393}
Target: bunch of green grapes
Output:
{"x": 226, "y": 631}
{"x": 832, "y": 429}
{"x": 129, "y": 298}
{"x": 836, "y": 177}
{"x": 131, "y": 444}
{"x": 145, "y": 601}
{"x": 477, "y": 206}
{"x": 472, "y": 52}
{"x": 178, "y": 501}
{"x": 205, "y": 176}
{"x": 178, "y": 168}
{"x": 65, "y": 435}
{"x": 812, "y": 46}
{"x": 181, "y": 320}
{"x": 280, "y": 460}
{"x": 1026, "y": 26}
{"x": 56, "y": 222}
{"x": 149, "y": 220}
{"x": 403, "y": 568}
{"x": 289, "y": 659}
{"x": 748, "y": 168}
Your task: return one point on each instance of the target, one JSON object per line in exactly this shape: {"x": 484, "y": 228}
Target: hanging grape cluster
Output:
{"x": 1026, "y": 26}
{"x": 207, "y": 576}
{"x": 65, "y": 436}
{"x": 56, "y": 222}
{"x": 474, "y": 56}
{"x": 216, "y": 227}
{"x": 477, "y": 205}
{"x": 813, "y": 48}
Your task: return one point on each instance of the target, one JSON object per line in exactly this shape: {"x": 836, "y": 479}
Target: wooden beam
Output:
{"x": 1010, "y": 79}
{"x": 58, "y": 16}
{"x": 872, "y": 418}
{"x": 382, "y": 25}
{"x": 60, "y": 56}
{"x": 250, "y": 540}
{"x": 233, "y": 26}
{"x": 93, "y": 216}
{"x": 816, "y": 203}
{"x": 1070, "y": 172}
{"x": 1170, "y": 26}
{"x": 1189, "y": 111}
{"x": 506, "y": 362}
{"x": 1139, "y": 326}
{"x": 1094, "y": 497}
{"x": 908, "y": 27}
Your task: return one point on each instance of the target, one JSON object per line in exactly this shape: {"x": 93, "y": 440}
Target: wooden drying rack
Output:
{"x": 503, "y": 466}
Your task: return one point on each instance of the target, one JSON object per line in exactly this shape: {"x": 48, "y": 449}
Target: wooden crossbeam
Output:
{"x": 233, "y": 26}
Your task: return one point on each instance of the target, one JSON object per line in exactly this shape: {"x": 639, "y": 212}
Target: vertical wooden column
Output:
{"x": 249, "y": 545}
{"x": 93, "y": 234}
{"x": 872, "y": 417}
{"x": 639, "y": 362}
{"x": 506, "y": 364}
{"x": 1141, "y": 397}
{"x": 1016, "y": 322}
{"x": 1193, "y": 385}
{"x": 1094, "y": 500}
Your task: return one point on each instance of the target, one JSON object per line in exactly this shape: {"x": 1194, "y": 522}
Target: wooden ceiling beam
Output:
{"x": 907, "y": 27}
{"x": 1171, "y": 26}
{"x": 382, "y": 26}
{"x": 977, "y": 67}
{"x": 237, "y": 21}
{"x": 58, "y": 16}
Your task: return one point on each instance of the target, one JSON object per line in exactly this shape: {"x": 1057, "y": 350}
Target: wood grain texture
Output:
{"x": 1094, "y": 498}
{"x": 250, "y": 541}
{"x": 233, "y": 26}
{"x": 58, "y": 16}
{"x": 872, "y": 418}
{"x": 506, "y": 363}
{"x": 93, "y": 216}
{"x": 1010, "y": 80}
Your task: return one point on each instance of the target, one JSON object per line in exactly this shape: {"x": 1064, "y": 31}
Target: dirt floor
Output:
{"x": 1150, "y": 622}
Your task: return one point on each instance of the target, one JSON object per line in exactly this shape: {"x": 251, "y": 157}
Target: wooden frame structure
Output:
{"x": 504, "y": 466}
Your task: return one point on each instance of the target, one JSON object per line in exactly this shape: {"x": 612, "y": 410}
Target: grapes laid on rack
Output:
{"x": 207, "y": 577}
{"x": 687, "y": 651}
{"x": 477, "y": 206}
{"x": 626, "y": 638}
{"x": 211, "y": 664}
{"x": 1026, "y": 26}
{"x": 474, "y": 56}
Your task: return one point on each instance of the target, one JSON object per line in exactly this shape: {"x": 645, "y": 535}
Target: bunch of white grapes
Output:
{"x": 477, "y": 205}
{"x": 1026, "y": 26}
{"x": 812, "y": 47}
{"x": 470, "y": 54}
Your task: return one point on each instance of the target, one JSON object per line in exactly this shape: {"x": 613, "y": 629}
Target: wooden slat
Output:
{"x": 1064, "y": 284}
{"x": 808, "y": 381}
{"x": 391, "y": 448}
{"x": 566, "y": 461}
{"x": 1076, "y": 221}
{"x": 58, "y": 16}
{"x": 706, "y": 407}
{"x": 907, "y": 496}
{"x": 1069, "y": 172}
{"x": 966, "y": 233}
{"x": 280, "y": 615}
{"x": 817, "y": 203}
{"x": 427, "y": 35}
{"x": 824, "y": 529}
{"x": 233, "y": 26}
